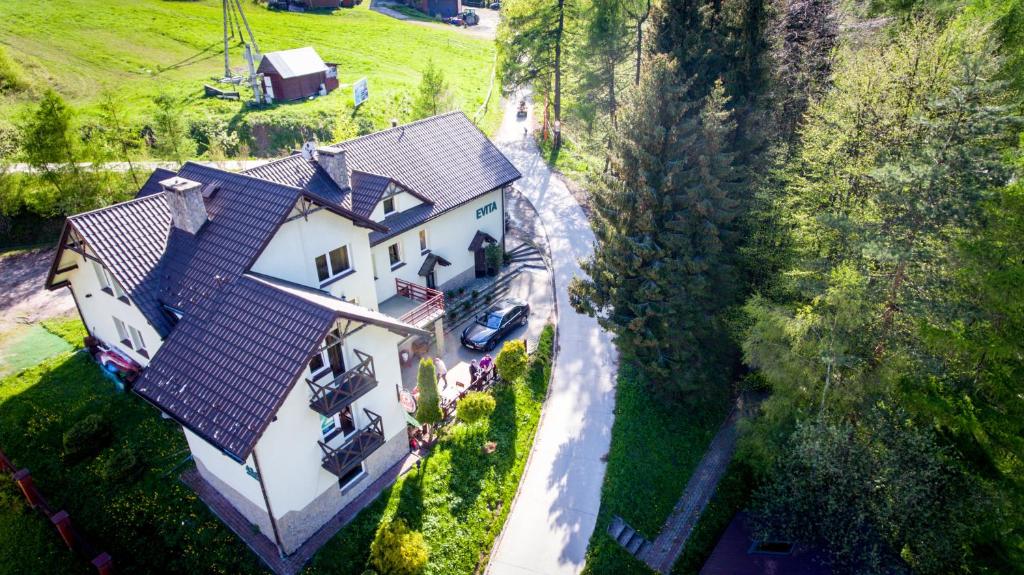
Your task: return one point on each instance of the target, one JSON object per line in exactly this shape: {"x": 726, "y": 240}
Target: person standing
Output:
{"x": 474, "y": 369}
{"x": 442, "y": 371}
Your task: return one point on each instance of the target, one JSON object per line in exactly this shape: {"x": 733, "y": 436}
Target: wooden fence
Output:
{"x": 103, "y": 562}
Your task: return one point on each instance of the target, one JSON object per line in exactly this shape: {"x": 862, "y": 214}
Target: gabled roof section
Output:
{"x": 444, "y": 160}
{"x": 244, "y": 214}
{"x": 152, "y": 185}
{"x": 340, "y": 307}
{"x": 129, "y": 239}
{"x": 228, "y": 366}
{"x": 294, "y": 63}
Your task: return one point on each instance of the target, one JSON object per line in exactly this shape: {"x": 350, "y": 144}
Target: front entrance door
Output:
{"x": 480, "y": 261}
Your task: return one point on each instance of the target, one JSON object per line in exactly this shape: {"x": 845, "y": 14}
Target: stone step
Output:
{"x": 617, "y": 527}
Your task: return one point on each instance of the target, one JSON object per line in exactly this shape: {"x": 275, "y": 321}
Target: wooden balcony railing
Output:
{"x": 432, "y": 306}
{"x": 341, "y": 460}
{"x": 335, "y": 395}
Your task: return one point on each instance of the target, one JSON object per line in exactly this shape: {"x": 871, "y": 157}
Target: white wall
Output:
{"x": 98, "y": 308}
{"x": 227, "y": 469}
{"x": 288, "y": 451}
{"x": 403, "y": 201}
{"x": 290, "y": 255}
{"x": 448, "y": 236}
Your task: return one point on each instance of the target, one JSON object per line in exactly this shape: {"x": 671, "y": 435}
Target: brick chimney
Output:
{"x": 185, "y": 199}
{"x": 332, "y": 160}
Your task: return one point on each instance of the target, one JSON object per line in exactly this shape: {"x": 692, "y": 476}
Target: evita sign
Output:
{"x": 491, "y": 207}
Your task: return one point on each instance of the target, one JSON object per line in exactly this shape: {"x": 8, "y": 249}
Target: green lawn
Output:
{"x": 459, "y": 497}
{"x": 140, "y": 48}
{"x": 655, "y": 447}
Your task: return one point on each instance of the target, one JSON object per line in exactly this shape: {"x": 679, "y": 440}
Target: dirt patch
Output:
{"x": 23, "y": 297}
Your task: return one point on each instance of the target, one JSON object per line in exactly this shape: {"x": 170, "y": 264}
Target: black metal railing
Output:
{"x": 341, "y": 460}
{"x": 335, "y": 395}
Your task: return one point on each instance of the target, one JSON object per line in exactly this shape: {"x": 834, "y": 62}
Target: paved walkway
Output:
{"x": 680, "y": 523}
{"x": 556, "y": 508}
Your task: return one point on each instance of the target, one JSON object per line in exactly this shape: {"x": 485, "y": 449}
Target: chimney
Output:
{"x": 332, "y": 160}
{"x": 185, "y": 199}
{"x": 394, "y": 122}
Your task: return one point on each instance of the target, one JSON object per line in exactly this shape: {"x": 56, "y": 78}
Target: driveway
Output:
{"x": 487, "y": 28}
{"x": 556, "y": 507}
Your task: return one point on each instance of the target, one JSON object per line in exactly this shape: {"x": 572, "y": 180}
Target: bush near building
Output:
{"x": 460, "y": 495}
{"x": 397, "y": 550}
{"x": 476, "y": 405}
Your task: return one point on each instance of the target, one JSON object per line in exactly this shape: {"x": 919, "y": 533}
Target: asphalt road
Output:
{"x": 556, "y": 508}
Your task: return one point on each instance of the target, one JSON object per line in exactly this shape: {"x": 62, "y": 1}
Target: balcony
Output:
{"x": 414, "y": 304}
{"x": 343, "y": 459}
{"x": 332, "y": 397}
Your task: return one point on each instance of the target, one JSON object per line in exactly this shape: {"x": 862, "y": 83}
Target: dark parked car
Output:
{"x": 494, "y": 324}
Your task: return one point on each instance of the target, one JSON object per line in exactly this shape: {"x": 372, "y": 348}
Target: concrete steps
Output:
{"x": 630, "y": 539}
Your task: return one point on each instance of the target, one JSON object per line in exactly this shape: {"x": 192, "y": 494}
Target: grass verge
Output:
{"x": 459, "y": 497}
{"x": 150, "y": 523}
{"x": 70, "y": 329}
{"x": 655, "y": 447}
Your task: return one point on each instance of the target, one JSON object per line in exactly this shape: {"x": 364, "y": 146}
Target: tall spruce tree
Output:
{"x": 661, "y": 272}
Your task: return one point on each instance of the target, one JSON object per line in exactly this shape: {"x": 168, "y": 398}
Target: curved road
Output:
{"x": 556, "y": 507}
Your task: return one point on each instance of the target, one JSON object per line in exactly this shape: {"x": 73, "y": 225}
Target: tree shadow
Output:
{"x": 410, "y": 497}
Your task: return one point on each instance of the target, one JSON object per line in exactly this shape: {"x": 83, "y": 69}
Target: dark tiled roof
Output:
{"x": 228, "y": 365}
{"x": 244, "y": 214}
{"x": 225, "y": 370}
{"x": 298, "y": 172}
{"x": 732, "y": 556}
{"x": 444, "y": 159}
{"x": 152, "y": 185}
{"x": 430, "y": 261}
{"x": 130, "y": 239}
{"x": 367, "y": 191}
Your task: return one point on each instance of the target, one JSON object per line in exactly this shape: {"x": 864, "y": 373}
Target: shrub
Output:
{"x": 397, "y": 550}
{"x": 512, "y": 361}
{"x": 494, "y": 256}
{"x": 475, "y": 406}
{"x": 11, "y": 75}
{"x": 428, "y": 410}
{"x": 87, "y": 437}
{"x": 474, "y": 294}
{"x": 121, "y": 465}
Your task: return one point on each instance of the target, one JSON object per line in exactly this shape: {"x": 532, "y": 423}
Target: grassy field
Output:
{"x": 151, "y": 523}
{"x": 642, "y": 483}
{"x": 141, "y": 48}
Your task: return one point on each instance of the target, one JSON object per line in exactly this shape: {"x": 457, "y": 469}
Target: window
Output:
{"x": 423, "y": 241}
{"x": 122, "y": 332}
{"x": 338, "y": 424}
{"x": 329, "y": 355}
{"x": 394, "y": 255}
{"x": 107, "y": 282}
{"x": 389, "y": 205}
{"x": 333, "y": 264}
{"x": 350, "y": 478}
{"x": 137, "y": 341}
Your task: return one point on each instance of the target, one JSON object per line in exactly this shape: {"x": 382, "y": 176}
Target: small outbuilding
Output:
{"x": 296, "y": 74}
{"x": 443, "y": 8}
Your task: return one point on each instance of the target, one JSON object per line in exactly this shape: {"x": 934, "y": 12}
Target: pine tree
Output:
{"x": 171, "y": 130}
{"x": 661, "y": 271}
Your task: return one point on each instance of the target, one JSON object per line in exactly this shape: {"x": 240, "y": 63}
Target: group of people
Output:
{"x": 483, "y": 369}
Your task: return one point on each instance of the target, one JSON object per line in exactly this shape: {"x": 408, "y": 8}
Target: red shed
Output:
{"x": 297, "y": 74}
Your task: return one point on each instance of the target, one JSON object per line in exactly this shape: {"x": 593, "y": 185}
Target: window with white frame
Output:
{"x": 130, "y": 336}
{"x": 333, "y": 263}
{"x": 107, "y": 281}
{"x": 395, "y": 255}
{"x": 389, "y": 205}
{"x": 340, "y": 424}
{"x": 330, "y": 358}
{"x": 423, "y": 242}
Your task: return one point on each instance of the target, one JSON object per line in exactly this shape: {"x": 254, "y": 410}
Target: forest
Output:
{"x": 818, "y": 204}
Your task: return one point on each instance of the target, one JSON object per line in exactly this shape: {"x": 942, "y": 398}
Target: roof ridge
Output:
{"x": 271, "y": 162}
{"x": 153, "y": 197}
{"x": 400, "y": 127}
{"x": 239, "y": 174}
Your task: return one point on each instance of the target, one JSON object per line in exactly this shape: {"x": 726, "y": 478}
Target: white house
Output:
{"x": 266, "y": 309}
